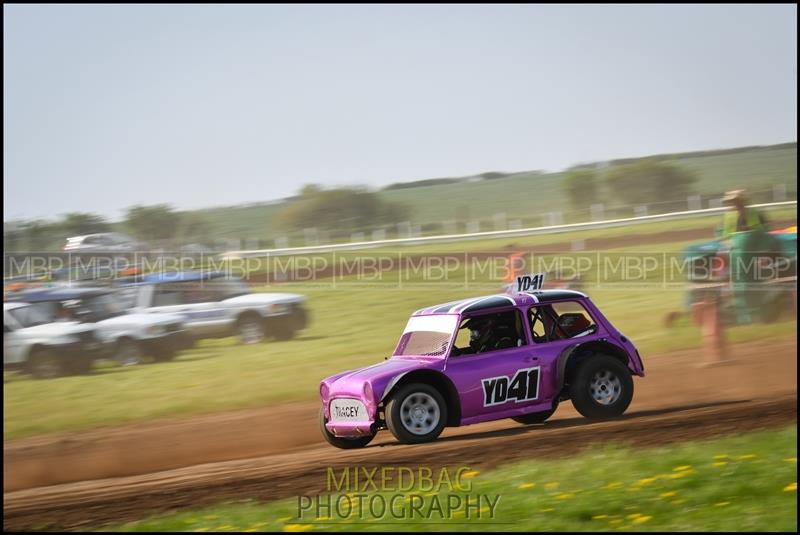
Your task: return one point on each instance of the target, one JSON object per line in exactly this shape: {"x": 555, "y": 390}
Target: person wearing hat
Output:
{"x": 740, "y": 217}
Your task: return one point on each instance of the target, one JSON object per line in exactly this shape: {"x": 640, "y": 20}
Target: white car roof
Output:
{"x": 12, "y": 306}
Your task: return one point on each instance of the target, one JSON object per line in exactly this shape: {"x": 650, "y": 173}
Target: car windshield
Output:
{"x": 34, "y": 314}
{"x": 427, "y": 336}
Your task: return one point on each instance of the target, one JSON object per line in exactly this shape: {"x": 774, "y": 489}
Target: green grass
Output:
{"x": 526, "y": 196}
{"x": 353, "y": 324}
{"x": 350, "y": 327}
{"x": 744, "y": 483}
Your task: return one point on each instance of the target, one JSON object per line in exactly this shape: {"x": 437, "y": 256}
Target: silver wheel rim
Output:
{"x": 605, "y": 387}
{"x": 48, "y": 367}
{"x": 129, "y": 355}
{"x": 420, "y": 413}
{"x": 250, "y": 332}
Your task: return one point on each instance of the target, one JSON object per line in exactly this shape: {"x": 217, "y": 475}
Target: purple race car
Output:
{"x": 510, "y": 355}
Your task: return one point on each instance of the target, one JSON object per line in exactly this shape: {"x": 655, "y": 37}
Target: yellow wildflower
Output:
{"x": 682, "y": 468}
{"x": 669, "y": 494}
{"x": 527, "y": 485}
{"x": 298, "y": 527}
{"x": 791, "y": 487}
{"x": 642, "y": 519}
{"x": 721, "y": 504}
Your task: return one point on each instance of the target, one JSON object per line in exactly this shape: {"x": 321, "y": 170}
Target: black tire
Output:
{"x": 340, "y": 442}
{"x": 80, "y": 365}
{"x": 44, "y": 364}
{"x": 411, "y": 429}
{"x": 536, "y": 417}
{"x": 128, "y": 353}
{"x": 601, "y": 387}
{"x": 164, "y": 353}
{"x": 250, "y": 328}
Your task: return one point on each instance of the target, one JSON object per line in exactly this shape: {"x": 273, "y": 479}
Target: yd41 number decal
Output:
{"x": 524, "y": 386}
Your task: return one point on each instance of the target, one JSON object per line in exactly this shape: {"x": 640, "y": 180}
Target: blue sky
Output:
{"x": 197, "y": 106}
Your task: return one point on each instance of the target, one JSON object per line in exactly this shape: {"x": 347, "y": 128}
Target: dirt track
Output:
{"x": 155, "y": 467}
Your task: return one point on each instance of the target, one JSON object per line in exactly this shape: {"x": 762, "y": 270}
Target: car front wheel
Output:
{"x": 602, "y": 387}
{"x": 416, "y": 413}
{"x": 44, "y": 364}
{"x": 251, "y": 329}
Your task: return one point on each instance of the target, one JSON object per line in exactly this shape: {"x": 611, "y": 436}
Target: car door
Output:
{"x": 498, "y": 378}
{"x": 553, "y": 330}
{"x": 13, "y": 342}
{"x": 195, "y": 302}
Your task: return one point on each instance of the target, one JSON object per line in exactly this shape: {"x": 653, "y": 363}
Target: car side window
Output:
{"x": 167, "y": 295}
{"x": 489, "y": 332}
{"x": 559, "y": 321}
{"x": 573, "y": 320}
{"x": 199, "y": 292}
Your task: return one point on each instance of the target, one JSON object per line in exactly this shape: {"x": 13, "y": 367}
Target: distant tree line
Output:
{"x": 488, "y": 175}
{"x": 640, "y": 182}
{"x": 344, "y": 209}
{"x": 151, "y": 224}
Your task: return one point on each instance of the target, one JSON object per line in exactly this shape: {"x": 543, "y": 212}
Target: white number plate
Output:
{"x": 348, "y": 410}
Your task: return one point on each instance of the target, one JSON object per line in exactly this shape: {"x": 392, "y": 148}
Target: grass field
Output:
{"x": 352, "y": 325}
{"x": 743, "y": 483}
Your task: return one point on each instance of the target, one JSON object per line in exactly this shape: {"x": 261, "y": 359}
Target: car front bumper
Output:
{"x": 362, "y": 424}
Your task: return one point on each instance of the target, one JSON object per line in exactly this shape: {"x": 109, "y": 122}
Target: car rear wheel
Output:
{"x": 342, "y": 442}
{"x": 536, "y": 417}
{"x": 602, "y": 387}
{"x": 128, "y": 353}
{"x": 251, "y": 329}
{"x": 44, "y": 364}
{"x": 416, "y": 413}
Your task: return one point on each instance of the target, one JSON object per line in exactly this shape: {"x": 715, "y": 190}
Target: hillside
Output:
{"x": 526, "y": 196}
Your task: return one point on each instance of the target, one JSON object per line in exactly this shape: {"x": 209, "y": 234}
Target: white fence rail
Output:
{"x": 492, "y": 234}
